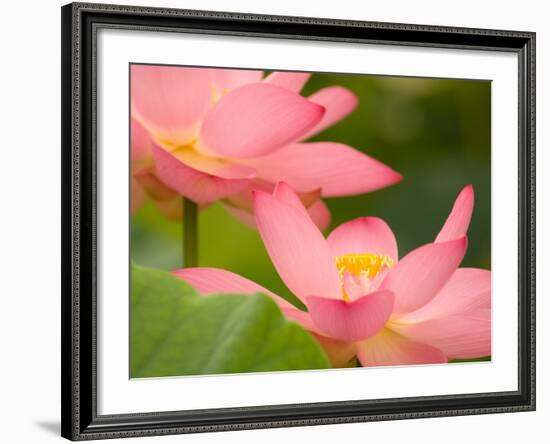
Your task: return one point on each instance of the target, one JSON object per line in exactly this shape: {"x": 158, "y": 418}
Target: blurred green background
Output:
{"x": 435, "y": 132}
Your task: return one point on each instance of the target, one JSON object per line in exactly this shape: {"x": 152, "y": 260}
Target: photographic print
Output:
{"x": 285, "y": 221}
{"x": 273, "y": 221}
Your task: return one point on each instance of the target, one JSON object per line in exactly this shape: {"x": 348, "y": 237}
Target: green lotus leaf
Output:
{"x": 175, "y": 331}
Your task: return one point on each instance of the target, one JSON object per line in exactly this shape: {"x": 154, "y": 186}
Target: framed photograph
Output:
{"x": 281, "y": 221}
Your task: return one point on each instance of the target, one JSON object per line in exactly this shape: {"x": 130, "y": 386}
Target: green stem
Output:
{"x": 190, "y": 233}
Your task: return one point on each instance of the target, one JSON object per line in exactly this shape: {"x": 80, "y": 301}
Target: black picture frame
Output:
{"x": 80, "y": 420}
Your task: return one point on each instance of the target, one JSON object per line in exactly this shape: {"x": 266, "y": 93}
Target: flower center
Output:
{"x": 362, "y": 268}
{"x": 368, "y": 265}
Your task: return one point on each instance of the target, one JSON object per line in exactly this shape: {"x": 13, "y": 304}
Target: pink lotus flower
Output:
{"x": 216, "y": 134}
{"x": 362, "y": 300}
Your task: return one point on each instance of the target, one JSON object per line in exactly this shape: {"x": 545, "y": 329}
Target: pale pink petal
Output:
{"x": 225, "y": 80}
{"x": 374, "y": 283}
{"x": 340, "y": 354}
{"x": 170, "y": 101}
{"x": 297, "y": 248}
{"x": 153, "y": 187}
{"x": 287, "y": 195}
{"x": 458, "y": 220}
{"x": 339, "y": 103}
{"x": 301, "y": 201}
{"x": 417, "y": 278}
{"x": 337, "y": 169}
{"x": 240, "y": 205}
{"x": 320, "y": 214}
{"x": 293, "y": 81}
{"x": 462, "y": 336}
{"x": 243, "y": 200}
{"x": 138, "y": 196}
{"x": 353, "y": 287}
{"x": 351, "y": 321}
{"x": 140, "y": 142}
{"x": 363, "y": 235}
{"x": 215, "y": 167}
{"x": 256, "y": 119}
{"x": 200, "y": 187}
{"x": 468, "y": 289}
{"x": 301, "y": 317}
{"x": 389, "y": 348}
{"x": 216, "y": 280}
